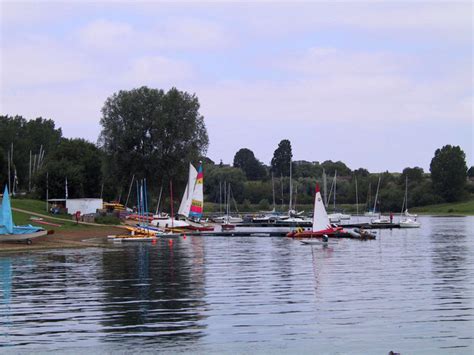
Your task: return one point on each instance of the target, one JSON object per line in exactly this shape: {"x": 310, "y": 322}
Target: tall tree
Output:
{"x": 245, "y": 160}
{"x": 282, "y": 158}
{"x": 77, "y": 160}
{"x": 27, "y": 136}
{"x": 153, "y": 134}
{"x": 448, "y": 172}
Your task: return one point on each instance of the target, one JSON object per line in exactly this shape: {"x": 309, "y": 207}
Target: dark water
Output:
{"x": 409, "y": 291}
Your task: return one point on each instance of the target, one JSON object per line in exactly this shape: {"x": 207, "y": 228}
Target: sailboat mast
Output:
{"x": 406, "y": 192}
{"x": 335, "y": 182}
{"x": 225, "y": 196}
{"x": 220, "y": 197}
{"x": 357, "y": 198}
{"x": 281, "y": 187}
{"x": 159, "y": 200}
{"x": 273, "y": 192}
{"x": 129, "y": 190}
{"x": 376, "y": 195}
{"x": 29, "y": 175}
{"x": 296, "y": 195}
{"x": 325, "y": 186}
{"x": 171, "y": 202}
{"x": 291, "y": 187}
{"x": 228, "y": 203}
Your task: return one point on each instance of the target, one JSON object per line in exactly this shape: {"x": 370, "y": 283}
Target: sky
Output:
{"x": 375, "y": 84}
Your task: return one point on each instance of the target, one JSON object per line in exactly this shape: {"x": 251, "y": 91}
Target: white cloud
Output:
{"x": 104, "y": 34}
{"x": 445, "y": 18}
{"x": 174, "y": 33}
{"x": 41, "y": 61}
{"x": 158, "y": 71}
{"x": 329, "y": 85}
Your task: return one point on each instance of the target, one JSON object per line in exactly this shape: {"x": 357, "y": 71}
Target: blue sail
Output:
{"x": 7, "y": 218}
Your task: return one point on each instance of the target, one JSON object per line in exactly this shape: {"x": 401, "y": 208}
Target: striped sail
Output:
{"x": 185, "y": 206}
{"x": 197, "y": 202}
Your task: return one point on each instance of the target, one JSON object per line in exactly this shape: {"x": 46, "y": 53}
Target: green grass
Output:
{"x": 20, "y": 218}
{"x": 30, "y": 205}
{"x": 36, "y": 206}
{"x": 455, "y": 208}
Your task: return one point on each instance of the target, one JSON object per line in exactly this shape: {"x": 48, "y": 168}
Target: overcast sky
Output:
{"x": 378, "y": 85}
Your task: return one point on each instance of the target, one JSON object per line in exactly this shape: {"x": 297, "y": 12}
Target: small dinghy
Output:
{"x": 10, "y": 232}
{"x": 321, "y": 224}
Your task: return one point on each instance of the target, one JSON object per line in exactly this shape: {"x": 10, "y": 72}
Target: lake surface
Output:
{"x": 409, "y": 291}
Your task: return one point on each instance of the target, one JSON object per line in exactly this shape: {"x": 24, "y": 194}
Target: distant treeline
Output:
{"x": 153, "y": 134}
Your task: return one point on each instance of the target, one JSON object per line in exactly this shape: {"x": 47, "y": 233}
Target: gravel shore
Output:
{"x": 94, "y": 236}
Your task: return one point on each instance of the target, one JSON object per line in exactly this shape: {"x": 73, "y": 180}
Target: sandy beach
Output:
{"x": 92, "y": 237}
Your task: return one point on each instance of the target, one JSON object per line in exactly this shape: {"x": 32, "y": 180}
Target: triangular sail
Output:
{"x": 197, "y": 203}
{"x": 7, "y": 218}
{"x": 185, "y": 206}
{"x": 320, "y": 216}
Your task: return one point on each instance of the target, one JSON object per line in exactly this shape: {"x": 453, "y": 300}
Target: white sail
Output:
{"x": 320, "y": 216}
{"x": 185, "y": 205}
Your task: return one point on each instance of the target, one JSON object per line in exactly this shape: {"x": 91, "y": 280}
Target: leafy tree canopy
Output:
{"x": 281, "y": 158}
{"x": 152, "y": 133}
{"x": 330, "y": 167}
{"x": 448, "y": 172}
{"x": 26, "y": 136}
{"x": 414, "y": 175}
{"x": 77, "y": 160}
{"x": 253, "y": 169}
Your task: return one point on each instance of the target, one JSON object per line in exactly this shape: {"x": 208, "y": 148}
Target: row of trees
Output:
{"x": 153, "y": 134}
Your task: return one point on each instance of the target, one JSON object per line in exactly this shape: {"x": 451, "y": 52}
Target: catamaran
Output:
{"x": 10, "y": 232}
{"x": 191, "y": 207}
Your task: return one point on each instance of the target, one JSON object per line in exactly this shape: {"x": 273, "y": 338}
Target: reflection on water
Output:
{"x": 408, "y": 291}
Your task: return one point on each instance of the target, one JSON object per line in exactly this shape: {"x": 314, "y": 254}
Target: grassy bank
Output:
{"x": 36, "y": 206}
{"x": 455, "y": 208}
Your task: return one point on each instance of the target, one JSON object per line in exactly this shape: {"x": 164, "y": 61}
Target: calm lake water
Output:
{"x": 410, "y": 291}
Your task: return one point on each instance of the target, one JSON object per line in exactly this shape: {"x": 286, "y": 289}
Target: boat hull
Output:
{"x": 22, "y": 237}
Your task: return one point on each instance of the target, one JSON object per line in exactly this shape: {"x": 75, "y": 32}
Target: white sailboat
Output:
{"x": 410, "y": 220}
{"x": 336, "y": 217}
{"x": 381, "y": 219}
{"x": 321, "y": 223}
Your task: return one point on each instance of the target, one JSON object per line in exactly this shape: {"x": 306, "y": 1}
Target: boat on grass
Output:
{"x": 10, "y": 232}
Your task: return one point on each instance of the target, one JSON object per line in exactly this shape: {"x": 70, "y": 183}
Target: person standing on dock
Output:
{"x": 391, "y": 217}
